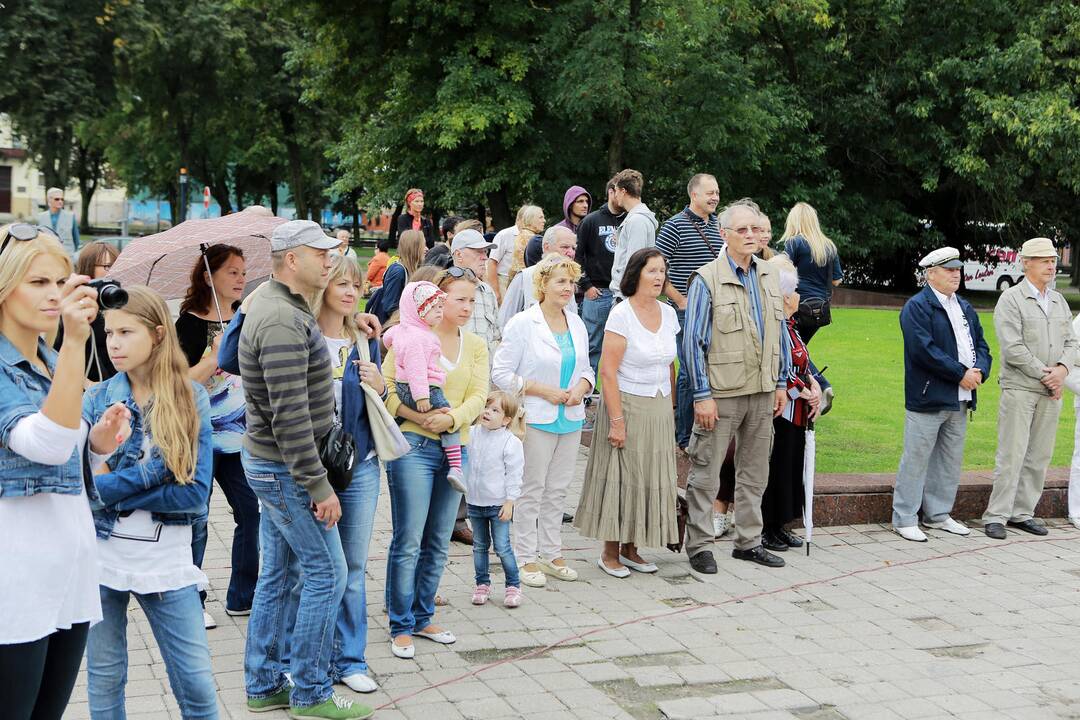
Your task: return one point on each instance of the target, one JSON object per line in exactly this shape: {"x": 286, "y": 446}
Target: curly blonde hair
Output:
{"x": 547, "y": 267}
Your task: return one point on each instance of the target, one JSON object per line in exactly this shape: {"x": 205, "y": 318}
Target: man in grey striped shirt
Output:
{"x": 286, "y": 372}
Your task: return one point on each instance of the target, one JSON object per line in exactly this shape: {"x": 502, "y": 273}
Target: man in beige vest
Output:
{"x": 1034, "y": 330}
{"x": 737, "y": 362}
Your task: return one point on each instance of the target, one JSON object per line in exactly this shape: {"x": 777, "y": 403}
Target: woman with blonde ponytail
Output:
{"x": 818, "y": 265}
{"x": 144, "y": 526}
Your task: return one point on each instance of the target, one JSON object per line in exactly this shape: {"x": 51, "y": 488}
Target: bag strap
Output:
{"x": 690, "y": 216}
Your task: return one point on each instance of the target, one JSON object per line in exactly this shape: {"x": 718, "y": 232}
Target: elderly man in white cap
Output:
{"x": 945, "y": 359}
{"x": 1034, "y": 330}
{"x": 469, "y": 250}
{"x": 289, "y": 391}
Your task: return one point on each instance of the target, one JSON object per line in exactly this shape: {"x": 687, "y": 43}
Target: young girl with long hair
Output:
{"x": 211, "y": 301}
{"x": 48, "y": 555}
{"x": 144, "y": 539}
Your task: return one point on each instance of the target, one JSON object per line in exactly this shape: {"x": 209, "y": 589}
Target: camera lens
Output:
{"x": 112, "y": 297}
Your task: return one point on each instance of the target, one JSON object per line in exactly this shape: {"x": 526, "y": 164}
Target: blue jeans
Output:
{"x": 423, "y": 508}
{"x": 229, "y": 473}
{"x": 684, "y": 396}
{"x": 438, "y": 400}
{"x": 292, "y": 541}
{"x": 488, "y": 528}
{"x": 176, "y": 620}
{"x": 594, "y": 313}
{"x": 357, "y": 521}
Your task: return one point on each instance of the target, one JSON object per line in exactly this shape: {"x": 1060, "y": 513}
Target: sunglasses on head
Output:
{"x": 25, "y": 232}
{"x": 458, "y": 272}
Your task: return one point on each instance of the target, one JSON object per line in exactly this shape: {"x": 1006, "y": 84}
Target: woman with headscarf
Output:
{"x": 412, "y": 218}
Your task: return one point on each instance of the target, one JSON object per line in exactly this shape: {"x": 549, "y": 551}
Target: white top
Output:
{"x": 144, "y": 556}
{"x": 503, "y": 252}
{"x": 965, "y": 346}
{"x": 529, "y": 351}
{"x": 48, "y": 554}
{"x": 339, "y": 349}
{"x": 646, "y": 365}
{"x": 496, "y": 466}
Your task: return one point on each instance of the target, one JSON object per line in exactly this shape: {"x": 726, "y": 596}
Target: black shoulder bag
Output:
{"x": 337, "y": 451}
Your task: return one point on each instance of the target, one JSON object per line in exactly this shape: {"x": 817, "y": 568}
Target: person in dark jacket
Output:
{"x": 945, "y": 359}
{"x": 411, "y": 217}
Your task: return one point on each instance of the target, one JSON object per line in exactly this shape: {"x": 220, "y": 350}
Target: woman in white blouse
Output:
{"x": 544, "y": 356}
{"x": 628, "y": 498}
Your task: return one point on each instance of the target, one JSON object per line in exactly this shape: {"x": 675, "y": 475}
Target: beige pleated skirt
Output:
{"x": 629, "y": 493}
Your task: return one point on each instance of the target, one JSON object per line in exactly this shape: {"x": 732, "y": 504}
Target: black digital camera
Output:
{"x": 110, "y": 296}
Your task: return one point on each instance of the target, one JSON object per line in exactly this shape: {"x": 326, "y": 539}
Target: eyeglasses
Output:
{"x": 25, "y": 232}
{"x": 745, "y": 230}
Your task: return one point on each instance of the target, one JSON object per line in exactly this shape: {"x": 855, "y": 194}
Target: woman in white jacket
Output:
{"x": 544, "y": 356}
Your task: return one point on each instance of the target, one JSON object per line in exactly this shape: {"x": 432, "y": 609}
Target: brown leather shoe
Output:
{"x": 464, "y": 535}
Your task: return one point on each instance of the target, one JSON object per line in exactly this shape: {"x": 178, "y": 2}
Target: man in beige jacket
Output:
{"x": 1034, "y": 331}
{"x": 737, "y": 362}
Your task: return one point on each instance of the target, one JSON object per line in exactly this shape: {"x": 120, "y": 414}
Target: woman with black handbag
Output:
{"x": 818, "y": 264}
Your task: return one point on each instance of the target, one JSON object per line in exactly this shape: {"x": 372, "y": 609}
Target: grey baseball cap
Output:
{"x": 469, "y": 239}
{"x": 295, "y": 233}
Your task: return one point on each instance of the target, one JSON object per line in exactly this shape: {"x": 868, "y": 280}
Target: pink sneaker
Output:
{"x": 480, "y": 595}
{"x": 512, "y": 598}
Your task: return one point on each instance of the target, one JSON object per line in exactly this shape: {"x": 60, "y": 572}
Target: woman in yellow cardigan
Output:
{"x": 423, "y": 504}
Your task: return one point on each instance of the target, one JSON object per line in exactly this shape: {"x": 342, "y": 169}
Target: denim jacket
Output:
{"x": 147, "y": 485}
{"x": 23, "y": 389}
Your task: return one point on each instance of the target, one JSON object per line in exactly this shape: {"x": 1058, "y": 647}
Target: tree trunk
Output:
{"x": 500, "y": 209}
{"x": 219, "y": 190}
{"x": 355, "y": 219}
{"x": 272, "y": 194}
{"x": 481, "y": 214}
{"x": 617, "y": 144}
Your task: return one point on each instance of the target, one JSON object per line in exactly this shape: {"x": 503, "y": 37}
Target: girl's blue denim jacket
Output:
{"x": 23, "y": 389}
{"x": 147, "y": 485}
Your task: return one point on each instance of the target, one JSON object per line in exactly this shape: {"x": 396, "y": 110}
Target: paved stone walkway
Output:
{"x": 869, "y": 626}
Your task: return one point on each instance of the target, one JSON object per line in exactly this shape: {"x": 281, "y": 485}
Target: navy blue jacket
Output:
{"x": 932, "y": 374}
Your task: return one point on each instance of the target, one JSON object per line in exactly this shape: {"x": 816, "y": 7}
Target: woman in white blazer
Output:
{"x": 544, "y": 355}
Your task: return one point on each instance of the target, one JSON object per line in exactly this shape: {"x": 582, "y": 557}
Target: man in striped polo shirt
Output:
{"x": 689, "y": 240}
{"x": 286, "y": 372}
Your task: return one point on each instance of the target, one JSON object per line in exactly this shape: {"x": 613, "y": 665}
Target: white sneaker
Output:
{"x": 950, "y": 526}
{"x": 721, "y": 524}
{"x": 1075, "y": 520}
{"x": 208, "y": 621}
{"x": 912, "y": 533}
{"x": 361, "y": 683}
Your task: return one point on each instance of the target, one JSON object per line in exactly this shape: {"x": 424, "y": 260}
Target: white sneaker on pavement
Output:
{"x": 950, "y": 526}
{"x": 912, "y": 533}
{"x": 1075, "y": 520}
{"x": 720, "y": 523}
{"x": 208, "y": 621}
{"x": 361, "y": 683}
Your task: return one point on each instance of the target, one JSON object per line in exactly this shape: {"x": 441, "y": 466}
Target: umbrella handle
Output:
{"x": 210, "y": 278}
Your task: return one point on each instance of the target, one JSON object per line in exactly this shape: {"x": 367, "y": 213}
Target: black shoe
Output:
{"x": 759, "y": 555}
{"x": 704, "y": 563}
{"x": 770, "y": 540}
{"x": 1030, "y": 526}
{"x": 995, "y": 531}
{"x": 790, "y": 538}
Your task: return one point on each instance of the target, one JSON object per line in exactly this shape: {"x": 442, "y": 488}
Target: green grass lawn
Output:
{"x": 864, "y": 432}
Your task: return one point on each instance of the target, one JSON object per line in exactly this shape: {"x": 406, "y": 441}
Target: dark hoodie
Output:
{"x": 572, "y": 194}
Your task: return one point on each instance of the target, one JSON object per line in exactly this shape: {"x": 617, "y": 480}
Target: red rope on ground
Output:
{"x": 701, "y": 606}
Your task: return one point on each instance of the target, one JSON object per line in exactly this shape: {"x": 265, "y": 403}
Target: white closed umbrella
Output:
{"x": 808, "y": 484}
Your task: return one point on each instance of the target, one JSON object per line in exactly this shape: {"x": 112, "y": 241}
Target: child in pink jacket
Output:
{"x": 420, "y": 375}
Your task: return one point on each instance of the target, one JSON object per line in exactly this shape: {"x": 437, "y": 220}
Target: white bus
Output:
{"x": 1000, "y": 270}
